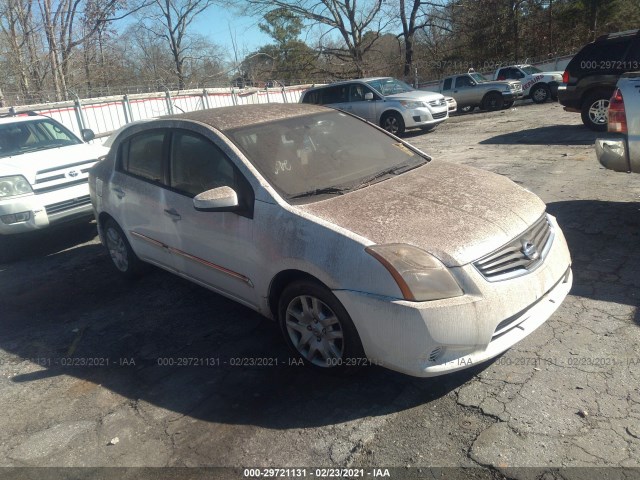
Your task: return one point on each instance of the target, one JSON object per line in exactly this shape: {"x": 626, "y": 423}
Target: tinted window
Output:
{"x": 314, "y": 97}
{"x": 633, "y": 56}
{"x": 337, "y": 94}
{"x": 447, "y": 84}
{"x": 463, "y": 81}
{"x": 143, "y": 155}
{"x": 197, "y": 165}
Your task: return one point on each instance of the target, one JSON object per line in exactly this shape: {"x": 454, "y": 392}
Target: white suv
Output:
{"x": 43, "y": 173}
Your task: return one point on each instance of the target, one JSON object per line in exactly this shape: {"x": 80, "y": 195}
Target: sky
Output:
{"x": 218, "y": 24}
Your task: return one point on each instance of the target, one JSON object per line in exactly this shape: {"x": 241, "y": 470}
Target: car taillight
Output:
{"x": 617, "y": 115}
{"x": 565, "y": 76}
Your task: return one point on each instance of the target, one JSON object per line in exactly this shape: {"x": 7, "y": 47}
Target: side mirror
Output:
{"x": 216, "y": 200}
{"x": 368, "y": 96}
{"x": 87, "y": 134}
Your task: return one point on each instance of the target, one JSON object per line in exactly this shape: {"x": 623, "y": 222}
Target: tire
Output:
{"x": 508, "y": 105}
{"x": 595, "y": 111}
{"x": 122, "y": 256}
{"x": 540, "y": 93}
{"x": 467, "y": 109}
{"x": 492, "y": 101}
{"x": 318, "y": 329}
{"x": 393, "y": 123}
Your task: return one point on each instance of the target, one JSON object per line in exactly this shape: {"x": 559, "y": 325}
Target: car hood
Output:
{"x": 456, "y": 213}
{"x": 422, "y": 95}
{"x": 28, "y": 164}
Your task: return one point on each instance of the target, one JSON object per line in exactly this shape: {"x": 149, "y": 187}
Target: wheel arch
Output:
{"x": 595, "y": 89}
{"x": 280, "y": 281}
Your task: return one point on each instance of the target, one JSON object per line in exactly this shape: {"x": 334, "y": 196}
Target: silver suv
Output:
{"x": 43, "y": 173}
{"x": 385, "y": 101}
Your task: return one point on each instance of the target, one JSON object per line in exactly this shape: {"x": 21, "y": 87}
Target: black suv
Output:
{"x": 591, "y": 76}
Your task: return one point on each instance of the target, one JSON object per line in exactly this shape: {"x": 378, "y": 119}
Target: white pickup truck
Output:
{"x": 538, "y": 85}
{"x": 620, "y": 149}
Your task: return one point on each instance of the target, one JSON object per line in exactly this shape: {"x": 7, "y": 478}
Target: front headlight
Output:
{"x": 13, "y": 186}
{"x": 419, "y": 275}
{"x": 412, "y": 104}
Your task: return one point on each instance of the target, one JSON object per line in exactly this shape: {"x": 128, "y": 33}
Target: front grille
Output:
{"x": 519, "y": 256}
{"x": 67, "y": 205}
{"x": 436, "y": 116}
{"x": 438, "y": 103}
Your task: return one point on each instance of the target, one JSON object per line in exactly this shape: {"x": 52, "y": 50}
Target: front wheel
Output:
{"x": 508, "y": 105}
{"x": 393, "y": 123}
{"x": 540, "y": 93}
{"x": 122, "y": 256}
{"x": 492, "y": 101}
{"x": 595, "y": 111}
{"x": 318, "y": 328}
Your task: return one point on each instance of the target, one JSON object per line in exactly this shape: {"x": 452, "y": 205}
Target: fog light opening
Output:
{"x": 436, "y": 353}
{"x": 15, "y": 218}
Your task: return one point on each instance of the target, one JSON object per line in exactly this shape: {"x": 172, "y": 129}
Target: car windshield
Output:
{"x": 323, "y": 153}
{"x": 530, "y": 70}
{"x": 389, "y": 86}
{"x": 22, "y": 137}
{"x": 478, "y": 78}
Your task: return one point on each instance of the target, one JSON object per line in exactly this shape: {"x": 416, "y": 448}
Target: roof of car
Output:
{"x": 21, "y": 118}
{"x": 228, "y": 118}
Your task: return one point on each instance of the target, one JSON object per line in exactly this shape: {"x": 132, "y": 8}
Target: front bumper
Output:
{"x": 46, "y": 209}
{"x": 426, "y": 339}
{"x": 613, "y": 153}
{"x": 424, "y": 117}
{"x": 569, "y": 97}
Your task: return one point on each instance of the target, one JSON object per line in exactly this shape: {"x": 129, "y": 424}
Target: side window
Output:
{"x": 609, "y": 51}
{"x": 633, "y": 55}
{"x": 142, "y": 155}
{"x": 357, "y": 92}
{"x": 197, "y": 165}
{"x": 502, "y": 74}
{"x": 337, "y": 94}
{"x": 447, "y": 84}
{"x": 314, "y": 97}
{"x": 463, "y": 81}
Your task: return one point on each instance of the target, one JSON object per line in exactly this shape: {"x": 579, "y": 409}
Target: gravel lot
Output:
{"x": 567, "y": 396}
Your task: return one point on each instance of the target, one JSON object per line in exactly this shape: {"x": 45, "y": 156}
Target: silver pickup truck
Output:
{"x": 619, "y": 150}
{"x": 472, "y": 90}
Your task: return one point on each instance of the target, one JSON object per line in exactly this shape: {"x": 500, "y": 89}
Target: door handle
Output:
{"x": 119, "y": 192}
{"x": 172, "y": 214}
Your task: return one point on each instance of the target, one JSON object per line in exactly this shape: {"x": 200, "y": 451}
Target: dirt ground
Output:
{"x": 95, "y": 371}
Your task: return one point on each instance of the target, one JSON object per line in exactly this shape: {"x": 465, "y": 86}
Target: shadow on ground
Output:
{"x": 551, "y": 135}
{"x": 604, "y": 240}
{"x": 179, "y": 347}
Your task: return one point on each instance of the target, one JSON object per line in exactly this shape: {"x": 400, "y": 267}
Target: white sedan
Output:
{"x": 360, "y": 246}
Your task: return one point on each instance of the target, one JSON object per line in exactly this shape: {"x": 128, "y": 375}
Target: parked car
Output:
{"x": 537, "y": 85}
{"x": 591, "y": 76}
{"x": 43, "y": 173}
{"x": 452, "y": 105}
{"x": 384, "y": 101}
{"x": 472, "y": 90}
{"x": 620, "y": 150}
{"x": 359, "y": 245}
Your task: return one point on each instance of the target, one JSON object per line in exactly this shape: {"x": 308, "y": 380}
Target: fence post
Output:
{"x": 205, "y": 99}
{"x": 126, "y": 106}
{"x": 266, "y": 90}
{"x": 233, "y": 96}
{"x": 77, "y": 107}
{"x": 284, "y": 96}
{"x": 169, "y": 102}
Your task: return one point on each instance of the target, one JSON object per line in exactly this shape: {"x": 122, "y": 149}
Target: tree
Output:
{"x": 170, "y": 20}
{"x": 349, "y": 18}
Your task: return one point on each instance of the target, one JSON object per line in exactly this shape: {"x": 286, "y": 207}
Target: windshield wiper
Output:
{"x": 320, "y": 191}
{"x": 397, "y": 170}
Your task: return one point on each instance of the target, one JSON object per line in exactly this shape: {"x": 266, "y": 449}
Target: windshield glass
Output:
{"x": 530, "y": 70}
{"x": 389, "y": 86}
{"x": 478, "y": 78}
{"x": 22, "y": 137}
{"x": 325, "y": 152}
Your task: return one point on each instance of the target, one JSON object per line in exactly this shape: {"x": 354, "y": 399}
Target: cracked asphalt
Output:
{"x": 96, "y": 371}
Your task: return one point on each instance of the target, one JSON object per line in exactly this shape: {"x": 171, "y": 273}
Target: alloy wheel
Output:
{"x": 117, "y": 249}
{"x": 598, "y": 111}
